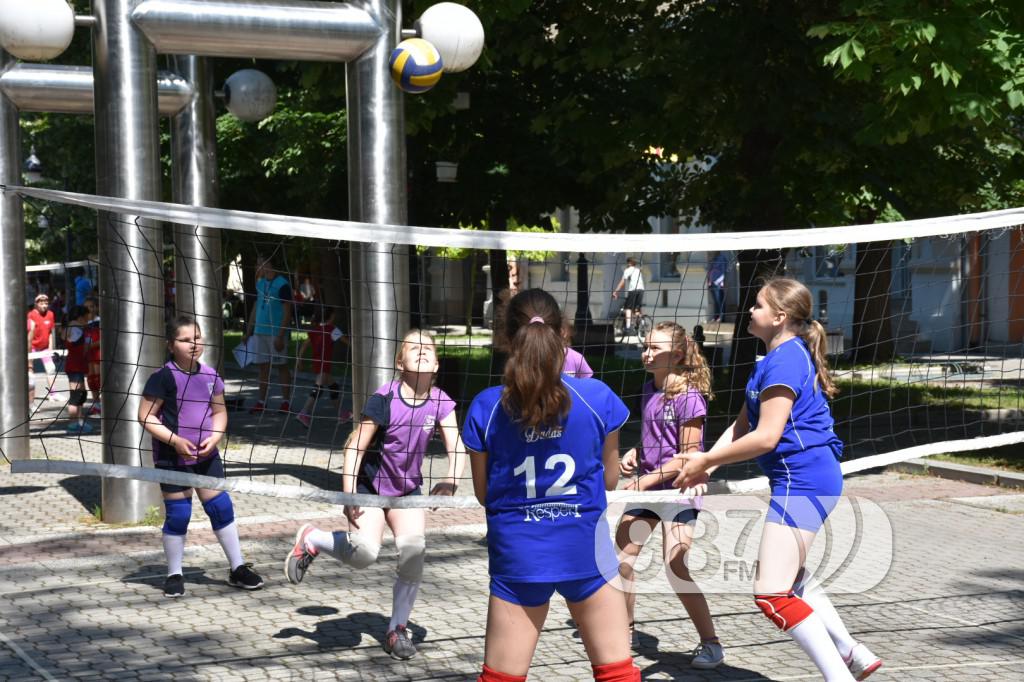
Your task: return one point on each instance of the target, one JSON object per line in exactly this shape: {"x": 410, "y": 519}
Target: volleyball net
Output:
{"x": 925, "y": 326}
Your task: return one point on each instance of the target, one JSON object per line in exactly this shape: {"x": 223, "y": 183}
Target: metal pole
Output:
{"x": 292, "y": 29}
{"x": 197, "y": 251}
{"x": 130, "y": 248}
{"x": 13, "y": 339}
{"x": 69, "y": 89}
{"x": 583, "y": 317}
{"x": 376, "y": 163}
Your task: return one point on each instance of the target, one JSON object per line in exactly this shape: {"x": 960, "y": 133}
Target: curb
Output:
{"x": 960, "y": 472}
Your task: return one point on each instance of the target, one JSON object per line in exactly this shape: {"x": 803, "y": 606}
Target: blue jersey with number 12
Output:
{"x": 545, "y": 487}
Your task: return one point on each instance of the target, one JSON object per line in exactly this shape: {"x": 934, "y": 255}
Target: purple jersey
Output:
{"x": 186, "y": 406}
{"x": 576, "y": 365}
{"x": 662, "y": 420}
{"x": 394, "y": 467}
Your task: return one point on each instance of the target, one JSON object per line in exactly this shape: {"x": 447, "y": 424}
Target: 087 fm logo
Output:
{"x": 850, "y": 553}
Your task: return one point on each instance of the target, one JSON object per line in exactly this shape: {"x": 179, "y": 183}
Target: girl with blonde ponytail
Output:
{"x": 787, "y": 425}
{"x": 544, "y": 447}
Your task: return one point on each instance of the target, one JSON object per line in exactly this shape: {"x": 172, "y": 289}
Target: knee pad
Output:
{"x": 77, "y": 397}
{"x": 785, "y": 610}
{"x": 620, "y": 671}
{"x": 335, "y": 391}
{"x": 220, "y": 510}
{"x": 314, "y": 392}
{"x": 364, "y": 551}
{"x": 411, "y": 553}
{"x": 93, "y": 381}
{"x": 177, "y": 515}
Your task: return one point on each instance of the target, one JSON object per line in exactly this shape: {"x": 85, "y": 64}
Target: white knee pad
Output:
{"x": 364, "y": 551}
{"x": 412, "y": 550}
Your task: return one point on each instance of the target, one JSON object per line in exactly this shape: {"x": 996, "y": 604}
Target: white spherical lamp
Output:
{"x": 36, "y": 30}
{"x": 455, "y": 31}
{"x": 250, "y": 95}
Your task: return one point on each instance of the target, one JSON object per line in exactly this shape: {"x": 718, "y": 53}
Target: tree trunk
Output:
{"x": 755, "y": 267}
{"x": 872, "y": 321}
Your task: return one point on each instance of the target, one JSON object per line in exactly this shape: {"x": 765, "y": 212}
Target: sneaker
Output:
{"x": 174, "y": 586}
{"x": 301, "y": 556}
{"x": 304, "y": 419}
{"x": 78, "y": 427}
{"x": 345, "y": 416}
{"x": 87, "y": 428}
{"x": 284, "y": 407}
{"x": 245, "y": 577}
{"x": 399, "y": 644}
{"x": 862, "y": 662}
{"x": 707, "y": 656}
{"x": 257, "y": 408}
{"x": 53, "y": 397}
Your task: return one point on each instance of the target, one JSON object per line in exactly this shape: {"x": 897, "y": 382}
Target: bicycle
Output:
{"x": 642, "y": 325}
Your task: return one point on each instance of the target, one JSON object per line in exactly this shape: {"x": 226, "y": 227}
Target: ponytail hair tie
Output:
{"x": 537, "y": 319}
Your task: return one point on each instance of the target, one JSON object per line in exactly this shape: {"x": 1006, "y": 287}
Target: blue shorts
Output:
{"x": 208, "y": 467}
{"x": 537, "y": 594}
{"x": 662, "y": 512}
{"x": 805, "y": 489}
{"x": 76, "y": 377}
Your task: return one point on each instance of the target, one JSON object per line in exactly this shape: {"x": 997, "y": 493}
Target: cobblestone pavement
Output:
{"x": 83, "y": 600}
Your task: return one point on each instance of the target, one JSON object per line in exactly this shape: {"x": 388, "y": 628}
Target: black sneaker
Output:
{"x": 245, "y": 577}
{"x": 174, "y": 586}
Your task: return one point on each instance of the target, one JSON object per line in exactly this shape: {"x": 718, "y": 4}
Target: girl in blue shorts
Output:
{"x": 543, "y": 450}
{"x": 787, "y": 425}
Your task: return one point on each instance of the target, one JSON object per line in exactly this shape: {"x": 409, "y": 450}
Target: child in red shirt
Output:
{"x": 321, "y": 339}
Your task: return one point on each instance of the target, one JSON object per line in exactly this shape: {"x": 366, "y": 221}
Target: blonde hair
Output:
{"x": 414, "y": 331}
{"x": 789, "y": 296}
{"x": 692, "y": 370}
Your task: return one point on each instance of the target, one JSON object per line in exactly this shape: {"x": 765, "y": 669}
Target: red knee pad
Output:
{"x": 785, "y": 610}
{"x": 94, "y": 382}
{"x": 489, "y": 675}
{"x": 620, "y": 671}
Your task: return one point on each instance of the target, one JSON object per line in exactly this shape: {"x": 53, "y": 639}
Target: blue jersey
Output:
{"x": 810, "y": 424}
{"x": 271, "y": 295}
{"x": 545, "y": 488}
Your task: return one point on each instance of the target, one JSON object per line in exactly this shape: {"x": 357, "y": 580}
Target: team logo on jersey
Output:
{"x": 532, "y": 435}
{"x": 550, "y": 511}
{"x": 752, "y": 394}
{"x": 429, "y": 422}
{"x": 668, "y": 413}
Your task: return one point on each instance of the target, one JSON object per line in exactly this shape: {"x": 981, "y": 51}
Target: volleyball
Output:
{"x": 416, "y": 65}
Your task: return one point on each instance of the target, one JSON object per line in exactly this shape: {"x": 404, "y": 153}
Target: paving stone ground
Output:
{"x": 84, "y": 601}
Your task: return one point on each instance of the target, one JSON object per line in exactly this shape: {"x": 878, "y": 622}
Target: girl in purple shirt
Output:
{"x": 674, "y": 407}
{"x": 183, "y": 409}
{"x": 384, "y": 456}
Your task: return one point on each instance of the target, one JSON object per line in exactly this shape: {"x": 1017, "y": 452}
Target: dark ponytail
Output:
{"x": 534, "y": 394}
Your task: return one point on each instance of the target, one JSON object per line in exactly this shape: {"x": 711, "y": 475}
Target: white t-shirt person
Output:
{"x": 633, "y": 282}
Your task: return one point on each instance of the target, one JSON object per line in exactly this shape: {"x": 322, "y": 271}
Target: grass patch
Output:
{"x": 154, "y": 516}
{"x": 873, "y": 397}
{"x": 1007, "y": 458}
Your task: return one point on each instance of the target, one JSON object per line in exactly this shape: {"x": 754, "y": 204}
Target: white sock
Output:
{"x": 809, "y": 589}
{"x": 813, "y": 638}
{"x": 228, "y": 539}
{"x": 174, "y": 550}
{"x": 336, "y": 544}
{"x": 403, "y": 597}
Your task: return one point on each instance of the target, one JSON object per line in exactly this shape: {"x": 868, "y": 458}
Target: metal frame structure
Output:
{"x": 126, "y": 94}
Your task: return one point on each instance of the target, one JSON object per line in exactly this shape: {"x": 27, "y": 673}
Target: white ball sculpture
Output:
{"x": 455, "y": 31}
{"x": 250, "y": 95}
{"x": 36, "y": 30}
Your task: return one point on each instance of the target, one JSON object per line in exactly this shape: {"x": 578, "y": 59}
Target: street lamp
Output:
{"x": 33, "y": 168}
{"x": 33, "y": 175}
